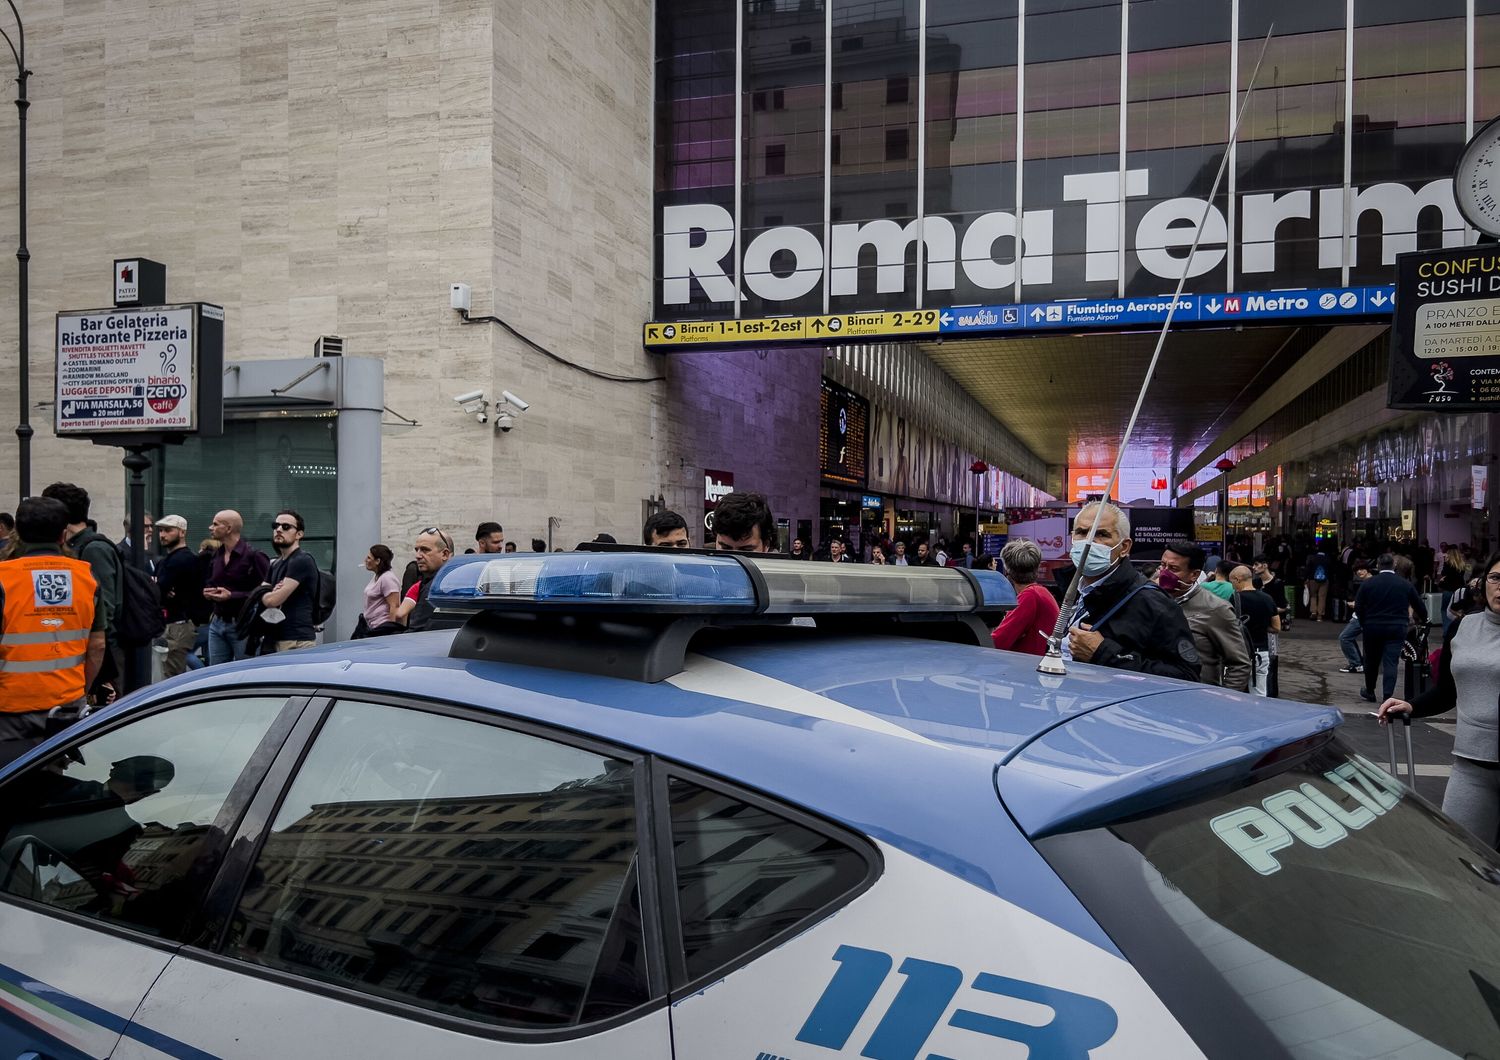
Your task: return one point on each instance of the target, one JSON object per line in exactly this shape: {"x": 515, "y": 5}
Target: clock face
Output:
{"x": 1476, "y": 180}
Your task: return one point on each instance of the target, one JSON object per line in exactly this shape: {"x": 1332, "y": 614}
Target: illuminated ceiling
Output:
{"x": 1068, "y": 397}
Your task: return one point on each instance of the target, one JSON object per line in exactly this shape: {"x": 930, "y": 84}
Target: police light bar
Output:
{"x": 584, "y": 581}
{"x": 730, "y": 583}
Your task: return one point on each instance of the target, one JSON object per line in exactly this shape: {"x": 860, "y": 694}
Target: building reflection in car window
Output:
{"x": 456, "y": 866}
{"x": 745, "y": 874}
{"x": 125, "y": 826}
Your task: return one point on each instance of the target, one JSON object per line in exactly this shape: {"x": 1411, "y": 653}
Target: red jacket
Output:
{"x": 1027, "y": 626}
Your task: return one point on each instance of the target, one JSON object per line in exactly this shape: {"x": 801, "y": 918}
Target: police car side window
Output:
{"x": 466, "y": 869}
{"x": 746, "y": 874}
{"x": 125, "y": 826}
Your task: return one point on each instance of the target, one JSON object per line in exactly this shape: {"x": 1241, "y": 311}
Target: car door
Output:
{"x": 792, "y": 937}
{"x": 432, "y": 883}
{"x": 107, "y": 847}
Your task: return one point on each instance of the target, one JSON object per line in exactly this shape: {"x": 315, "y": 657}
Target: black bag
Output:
{"x": 139, "y": 619}
{"x": 324, "y": 597}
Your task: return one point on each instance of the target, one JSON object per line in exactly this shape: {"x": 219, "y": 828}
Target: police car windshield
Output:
{"x": 1324, "y": 912}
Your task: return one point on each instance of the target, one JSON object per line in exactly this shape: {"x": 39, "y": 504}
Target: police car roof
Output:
{"x": 804, "y": 715}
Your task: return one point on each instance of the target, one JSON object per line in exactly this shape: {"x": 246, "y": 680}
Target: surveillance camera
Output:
{"x": 482, "y": 417}
{"x": 505, "y": 422}
{"x": 470, "y": 397}
{"x": 511, "y": 399}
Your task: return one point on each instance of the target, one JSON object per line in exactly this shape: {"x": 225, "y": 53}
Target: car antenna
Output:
{"x": 1052, "y": 662}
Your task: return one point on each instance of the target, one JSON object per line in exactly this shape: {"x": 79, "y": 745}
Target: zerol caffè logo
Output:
{"x": 787, "y": 262}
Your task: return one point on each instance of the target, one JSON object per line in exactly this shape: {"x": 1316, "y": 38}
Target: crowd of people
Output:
{"x": 1210, "y": 618}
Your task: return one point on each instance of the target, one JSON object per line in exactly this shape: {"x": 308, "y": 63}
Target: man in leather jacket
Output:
{"x": 1122, "y": 620}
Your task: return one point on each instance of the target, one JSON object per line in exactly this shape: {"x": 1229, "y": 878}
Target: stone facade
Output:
{"x": 329, "y": 167}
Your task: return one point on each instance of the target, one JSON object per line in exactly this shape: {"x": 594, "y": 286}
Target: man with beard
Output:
{"x": 294, "y": 581}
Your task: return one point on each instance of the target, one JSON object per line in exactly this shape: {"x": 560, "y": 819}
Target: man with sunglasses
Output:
{"x": 237, "y": 569}
{"x": 294, "y": 580}
{"x": 432, "y": 549}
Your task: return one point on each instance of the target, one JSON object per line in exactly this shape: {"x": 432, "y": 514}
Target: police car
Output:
{"x": 635, "y": 807}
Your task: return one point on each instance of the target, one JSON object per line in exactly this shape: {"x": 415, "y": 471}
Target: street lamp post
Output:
{"x": 23, "y": 256}
{"x": 1224, "y": 467}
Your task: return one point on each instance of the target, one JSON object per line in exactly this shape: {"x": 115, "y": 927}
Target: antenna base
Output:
{"x": 1052, "y": 663}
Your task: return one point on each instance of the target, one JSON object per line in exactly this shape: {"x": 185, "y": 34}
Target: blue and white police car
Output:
{"x": 639, "y": 807}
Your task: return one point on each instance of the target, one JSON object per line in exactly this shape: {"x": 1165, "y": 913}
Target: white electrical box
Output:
{"x": 458, "y": 297}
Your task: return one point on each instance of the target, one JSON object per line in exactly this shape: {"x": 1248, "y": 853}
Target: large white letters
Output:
{"x": 1101, "y": 231}
{"x": 1160, "y": 230}
{"x": 682, "y": 262}
{"x": 1399, "y": 207}
{"x": 698, "y": 241}
{"x": 891, "y": 241}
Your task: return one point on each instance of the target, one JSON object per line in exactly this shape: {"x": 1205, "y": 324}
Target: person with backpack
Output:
{"x": 237, "y": 568}
{"x": 294, "y": 582}
{"x": 1316, "y": 574}
{"x": 98, "y": 551}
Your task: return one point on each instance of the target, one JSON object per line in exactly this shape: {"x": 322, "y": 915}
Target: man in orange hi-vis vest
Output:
{"x": 51, "y": 631}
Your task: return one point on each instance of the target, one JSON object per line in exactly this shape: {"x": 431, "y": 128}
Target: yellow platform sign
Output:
{"x": 839, "y": 326}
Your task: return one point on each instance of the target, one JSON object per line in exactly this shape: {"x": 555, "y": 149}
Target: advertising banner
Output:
{"x": 1445, "y": 342}
{"x": 139, "y": 371}
{"x": 1152, "y": 529}
{"x": 1480, "y": 480}
{"x": 1050, "y": 532}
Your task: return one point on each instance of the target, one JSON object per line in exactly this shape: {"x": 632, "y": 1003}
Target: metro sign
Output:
{"x": 698, "y": 241}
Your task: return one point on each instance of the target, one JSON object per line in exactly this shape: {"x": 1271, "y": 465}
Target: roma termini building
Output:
{"x": 1028, "y": 174}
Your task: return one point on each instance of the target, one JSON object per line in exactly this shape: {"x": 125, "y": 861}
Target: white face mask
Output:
{"x": 1101, "y": 558}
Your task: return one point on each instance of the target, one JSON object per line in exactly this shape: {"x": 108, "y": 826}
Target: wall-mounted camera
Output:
{"x": 505, "y": 418}
{"x": 474, "y": 404}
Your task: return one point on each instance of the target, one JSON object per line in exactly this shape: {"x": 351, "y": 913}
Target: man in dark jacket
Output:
{"x": 1123, "y": 620}
{"x": 1384, "y": 605}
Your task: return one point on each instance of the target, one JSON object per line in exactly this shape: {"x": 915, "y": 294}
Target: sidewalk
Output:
{"x": 1309, "y": 663}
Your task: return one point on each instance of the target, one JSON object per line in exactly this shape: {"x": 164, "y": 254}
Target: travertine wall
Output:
{"x": 329, "y": 167}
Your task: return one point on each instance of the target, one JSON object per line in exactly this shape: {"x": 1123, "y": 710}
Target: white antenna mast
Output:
{"x": 1052, "y": 662}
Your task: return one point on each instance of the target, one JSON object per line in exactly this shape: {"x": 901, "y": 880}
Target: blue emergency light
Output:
{"x": 634, "y": 612}
{"x": 728, "y": 583}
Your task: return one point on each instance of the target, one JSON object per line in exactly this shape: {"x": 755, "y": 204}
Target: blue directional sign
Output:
{"x": 1202, "y": 310}
{"x": 1323, "y": 302}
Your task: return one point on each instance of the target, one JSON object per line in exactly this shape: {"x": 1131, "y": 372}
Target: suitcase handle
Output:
{"x": 1390, "y": 742}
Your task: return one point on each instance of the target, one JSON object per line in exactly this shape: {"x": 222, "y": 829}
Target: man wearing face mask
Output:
{"x": 1222, "y": 650}
{"x": 1122, "y": 620}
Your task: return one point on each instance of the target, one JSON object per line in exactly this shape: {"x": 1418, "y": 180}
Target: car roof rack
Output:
{"x": 633, "y": 611}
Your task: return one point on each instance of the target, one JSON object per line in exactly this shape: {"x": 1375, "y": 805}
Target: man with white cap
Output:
{"x": 180, "y": 575}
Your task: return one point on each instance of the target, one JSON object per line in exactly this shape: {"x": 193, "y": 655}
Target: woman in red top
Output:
{"x": 1028, "y": 625}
